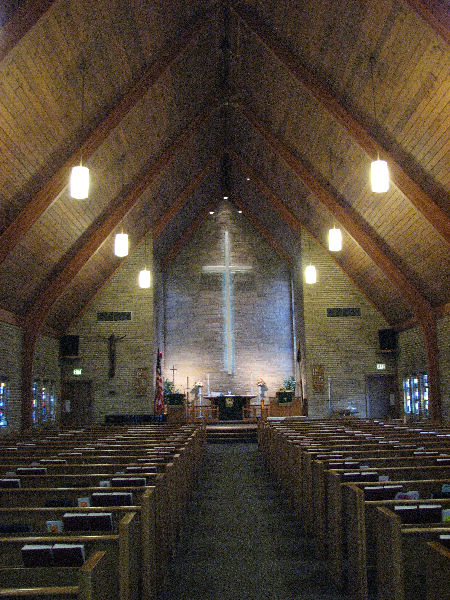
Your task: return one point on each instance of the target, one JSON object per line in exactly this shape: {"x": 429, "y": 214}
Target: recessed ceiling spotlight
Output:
{"x": 211, "y": 212}
{"x": 248, "y": 178}
{"x": 240, "y": 212}
{"x": 225, "y": 197}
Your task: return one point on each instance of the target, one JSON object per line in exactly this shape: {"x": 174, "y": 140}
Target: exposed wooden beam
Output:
{"x": 12, "y": 235}
{"x": 362, "y": 235}
{"x": 97, "y": 233}
{"x": 20, "y": 23}
{"x": 291, "y": 221}
{"x": 422, "y": 201}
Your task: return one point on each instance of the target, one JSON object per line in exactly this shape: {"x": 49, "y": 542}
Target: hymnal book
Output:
{"x": 54, "y": 526}
{"x": 408, "y": 513}
{"x": 9, "y": 483}
{"x": 83, "y": 502}
{"x": 68, "y": 555}
{"x": 128, "y": 481}
{"x": 445, "y": 515}
{"x": 112, "y": 499}
{"x": 87, "y": 521}
{"x": 430, "y": 513}
{"x": 31, "y": 471}
{"x": 105, "y": 483}
{"x": 37, "y": 555}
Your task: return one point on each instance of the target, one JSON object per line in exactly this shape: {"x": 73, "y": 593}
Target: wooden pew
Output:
{"x": 123, "y": 549}
{"x": 92, "y": 581}
{"x": 437, "y": 572}
{"x": 402, "y": 555}
{"x": 360, "y": 516}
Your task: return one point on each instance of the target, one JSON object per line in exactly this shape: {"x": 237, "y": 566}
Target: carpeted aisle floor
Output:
{"x": 240, "y": 541}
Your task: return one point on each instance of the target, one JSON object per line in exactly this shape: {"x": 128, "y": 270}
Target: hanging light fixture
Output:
{"x": 144, "y": 274}
{"x": 79, "y": 178}
{"x": 334, "y": 235}
{"x": 310, "y": 274}
{"x": 379, "y": 173}
{"x": 121, "y": 241}
{"x": 310, "y": 271}
{"x": 335, "y": 240}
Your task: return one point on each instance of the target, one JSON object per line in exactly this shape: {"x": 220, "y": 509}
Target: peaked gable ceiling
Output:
{"x": 274, "y": 105}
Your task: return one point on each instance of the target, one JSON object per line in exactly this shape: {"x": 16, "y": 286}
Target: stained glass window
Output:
{"x": 4, "y": 399}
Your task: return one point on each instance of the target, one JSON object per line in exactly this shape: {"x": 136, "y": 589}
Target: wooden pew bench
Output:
{"x": 123, "y": 550}
{"x": 337, "y": 491}
{"x": 402, "y": 555}
{"x": 437, "y": 571}
{"x": 360, "y": 518}
{"x": 94, "y": 580}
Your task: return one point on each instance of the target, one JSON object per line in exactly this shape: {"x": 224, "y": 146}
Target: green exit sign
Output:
{"x": 381, "y": 366}
{"x": 77, "y": 371}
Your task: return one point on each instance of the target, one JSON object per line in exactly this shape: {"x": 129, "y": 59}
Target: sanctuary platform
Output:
{"x": 231, "y": 432}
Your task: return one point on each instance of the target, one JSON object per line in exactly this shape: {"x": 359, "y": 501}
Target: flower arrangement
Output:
{"x": 198, "y": 384}
{"x": 260, "y": 382}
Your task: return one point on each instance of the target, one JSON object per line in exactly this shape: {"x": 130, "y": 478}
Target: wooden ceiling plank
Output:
{"x": 21, "y": 22}
{"x": 435, "y": 14}
{"x": 430, "y": 210}
{"x": 11, "y": 236}
{"x": 107, "y": 222}
{"x": 362, "y": 236}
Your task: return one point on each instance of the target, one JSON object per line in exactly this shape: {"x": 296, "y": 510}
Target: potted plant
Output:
{"x": 171, "y": 395}
{"x": 287, "y": 392}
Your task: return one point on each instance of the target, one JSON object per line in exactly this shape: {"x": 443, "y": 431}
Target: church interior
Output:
{"x": 244, "y": 205}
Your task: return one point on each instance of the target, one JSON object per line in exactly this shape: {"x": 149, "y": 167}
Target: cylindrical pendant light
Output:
{"x": 79, "y": 177}
{"x": 334, "y": 240}
{"x": 379, "y": 173}
{"x": 310, "y": 274}
{"x": 79, "y": 182}
{"x": 144, "y": 278}
{"x": 121, "y": 244}
{"x": 379, "y": 176}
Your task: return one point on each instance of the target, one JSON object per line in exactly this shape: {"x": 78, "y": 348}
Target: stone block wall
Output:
{"x": 135, "y": 341}
{"x": 195, "y": 342}
{"x": 343, "y": 349}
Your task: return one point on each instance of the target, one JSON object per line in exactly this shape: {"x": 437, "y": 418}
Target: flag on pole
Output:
{"x": 159, "y": 392}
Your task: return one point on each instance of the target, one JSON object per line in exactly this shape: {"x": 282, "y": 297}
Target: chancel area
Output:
{"x": 224, "y": 243}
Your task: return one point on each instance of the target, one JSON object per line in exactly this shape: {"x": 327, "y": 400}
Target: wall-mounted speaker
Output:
{"x": 387, "y": 339}
{"x": 68, "y": 345}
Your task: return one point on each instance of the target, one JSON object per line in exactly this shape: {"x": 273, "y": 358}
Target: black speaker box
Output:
{"x": 68, "y": 345}
{"x": 387, "y": 339}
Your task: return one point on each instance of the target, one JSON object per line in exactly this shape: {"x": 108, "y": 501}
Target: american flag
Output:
{"x": 159, "y": 392}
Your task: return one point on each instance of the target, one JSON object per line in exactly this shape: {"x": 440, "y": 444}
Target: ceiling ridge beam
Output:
{"x": 439, "y": 220}
{"x": 12, "y": 234}
{"x": 102, "y": 227}
{"x": 26, "y": 16}
{"x": 292, "y": 221}
{"x": 363, "y": 236}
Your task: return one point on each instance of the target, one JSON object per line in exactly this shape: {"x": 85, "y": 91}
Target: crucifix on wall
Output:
{"x": 112, "y": 341}
{"x": 226, "y": 271}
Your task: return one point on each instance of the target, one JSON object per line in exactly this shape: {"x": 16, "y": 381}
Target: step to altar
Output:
{"x": 231, "y": 432}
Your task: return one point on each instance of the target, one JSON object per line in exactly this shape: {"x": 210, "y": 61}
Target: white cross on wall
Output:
{"x": 227, "y": 270}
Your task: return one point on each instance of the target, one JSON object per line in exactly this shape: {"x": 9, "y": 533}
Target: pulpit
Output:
{"x": 230, "y": 406}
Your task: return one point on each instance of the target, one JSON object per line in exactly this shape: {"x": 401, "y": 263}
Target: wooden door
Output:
{"x": 76, "y": 404}
{"x": 381, "y": 396}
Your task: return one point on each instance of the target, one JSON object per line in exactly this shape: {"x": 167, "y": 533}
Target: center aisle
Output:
{"x": 239, "y": 540}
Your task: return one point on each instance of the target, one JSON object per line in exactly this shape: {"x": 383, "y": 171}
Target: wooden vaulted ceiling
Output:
{"x": 271, "y": 103}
